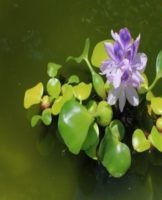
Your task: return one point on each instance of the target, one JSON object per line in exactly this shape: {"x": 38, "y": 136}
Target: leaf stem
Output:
{"x": 153, "y": 83}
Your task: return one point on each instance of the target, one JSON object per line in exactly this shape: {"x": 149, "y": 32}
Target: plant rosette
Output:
{"x": 93, "y": 117}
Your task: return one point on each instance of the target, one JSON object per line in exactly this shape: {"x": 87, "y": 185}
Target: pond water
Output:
{"x": 36, "y": 166}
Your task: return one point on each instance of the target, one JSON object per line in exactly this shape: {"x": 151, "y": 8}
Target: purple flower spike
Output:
{"x": 123, "y": 69}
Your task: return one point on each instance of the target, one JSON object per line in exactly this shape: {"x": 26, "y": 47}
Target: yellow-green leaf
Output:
{"x": 82, "y": 91}
{"x": 33, "y": 95}
{"x": 156, "y": 105}
{"x": 139, "y": 141}
{"x": 99, "y": 53}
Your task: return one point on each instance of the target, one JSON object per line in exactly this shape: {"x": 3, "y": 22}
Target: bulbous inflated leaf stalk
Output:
{"x": 73, "y": 123}
{"x": 33, "y": 95}
{"x": 114, "y": 155}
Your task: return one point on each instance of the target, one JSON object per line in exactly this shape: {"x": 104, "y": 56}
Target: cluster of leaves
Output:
{"x": 85, "y": 120}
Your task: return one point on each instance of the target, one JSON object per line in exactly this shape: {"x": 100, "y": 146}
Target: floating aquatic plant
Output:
{"x": 89, "y": 117}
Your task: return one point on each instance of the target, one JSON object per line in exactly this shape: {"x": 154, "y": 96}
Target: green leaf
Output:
{"x": 73, "y": 79}
{"x": 156, "y": 105}
{"x": 92, "y": 137}
{"x": 117, "y": 129}
{"x": 92, "y": 107}
{"x": 104, "y": 113}
{"x": 114, "y": 155}
{"x": 67, "y": 91}
{"x": 54, "y": 87}
{"x": 99, "y": 53}
{"x": 73, "y": 123}
{"x": 84, "y": 54}
{"x": 52, "y": 69}
{"x": 82, "y": 91}
{"x": 98, "y": 84}
{"x": 156, "y": 138}
{"x": 33, "y": 95}
{"x": 35, "y": 119}
{"x": 159, "y": 65}
{"x": 139, "y": 141}
{"x": 47, "y": 117}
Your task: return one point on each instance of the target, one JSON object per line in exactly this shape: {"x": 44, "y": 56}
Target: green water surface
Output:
{"x": 34, "y": 165}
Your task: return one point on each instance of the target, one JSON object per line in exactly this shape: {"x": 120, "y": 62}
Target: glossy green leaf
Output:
{"x": 54, "y": 87}
{"x": 92, "y": 137}
{"x": 99, "y": 53}
{"x": 139, "y": 141}
{"x": 99, "y": 85}
{"x": 47, "y": 117}
{"x": 117, "y": 129}
{"x": 73, "y": 123}
{"x": 84, "y": 54}
{"x": 33, "y": 95}
{"x": 156, "y": 105}
{"x": 159, "y": 65}
{"x": 35, "y": 119}
{"x": 114, "y": 155}
{"x": 73, "y": 79}
{"x": 52, "y": 69}
{"x": 104, "y": 113}
{"x": 92, "y": 107}
{"x": 156, "y": 138}
{"x": 92, "y": 151}
{"x": 82, "y": 91}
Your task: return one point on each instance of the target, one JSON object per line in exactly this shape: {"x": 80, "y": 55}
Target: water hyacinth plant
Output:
{"x": 99, "y": 117}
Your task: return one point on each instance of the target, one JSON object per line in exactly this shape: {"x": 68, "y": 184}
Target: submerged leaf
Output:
{"x": 139, "y": 141}
{"x": 33, "y": 95}
{"x": 52, "y": 69}
{"x": 35, "y": 119}
{"x": 99, "y": 53}
{"x": 73, "y": 123}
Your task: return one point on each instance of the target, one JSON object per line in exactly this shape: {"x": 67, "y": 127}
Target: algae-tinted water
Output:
{"x": 33, "y": 164}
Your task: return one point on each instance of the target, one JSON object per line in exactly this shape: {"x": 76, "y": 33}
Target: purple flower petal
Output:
{"x": 122, "y": 100}
{"x": 117, "y": 79}
{"x": 125, "y": 36}
{"x": 132, "y": 96}
{"x": 110, "y": 50}
{"x": 113, "y": 96}
{"x": 140, "y": 62}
